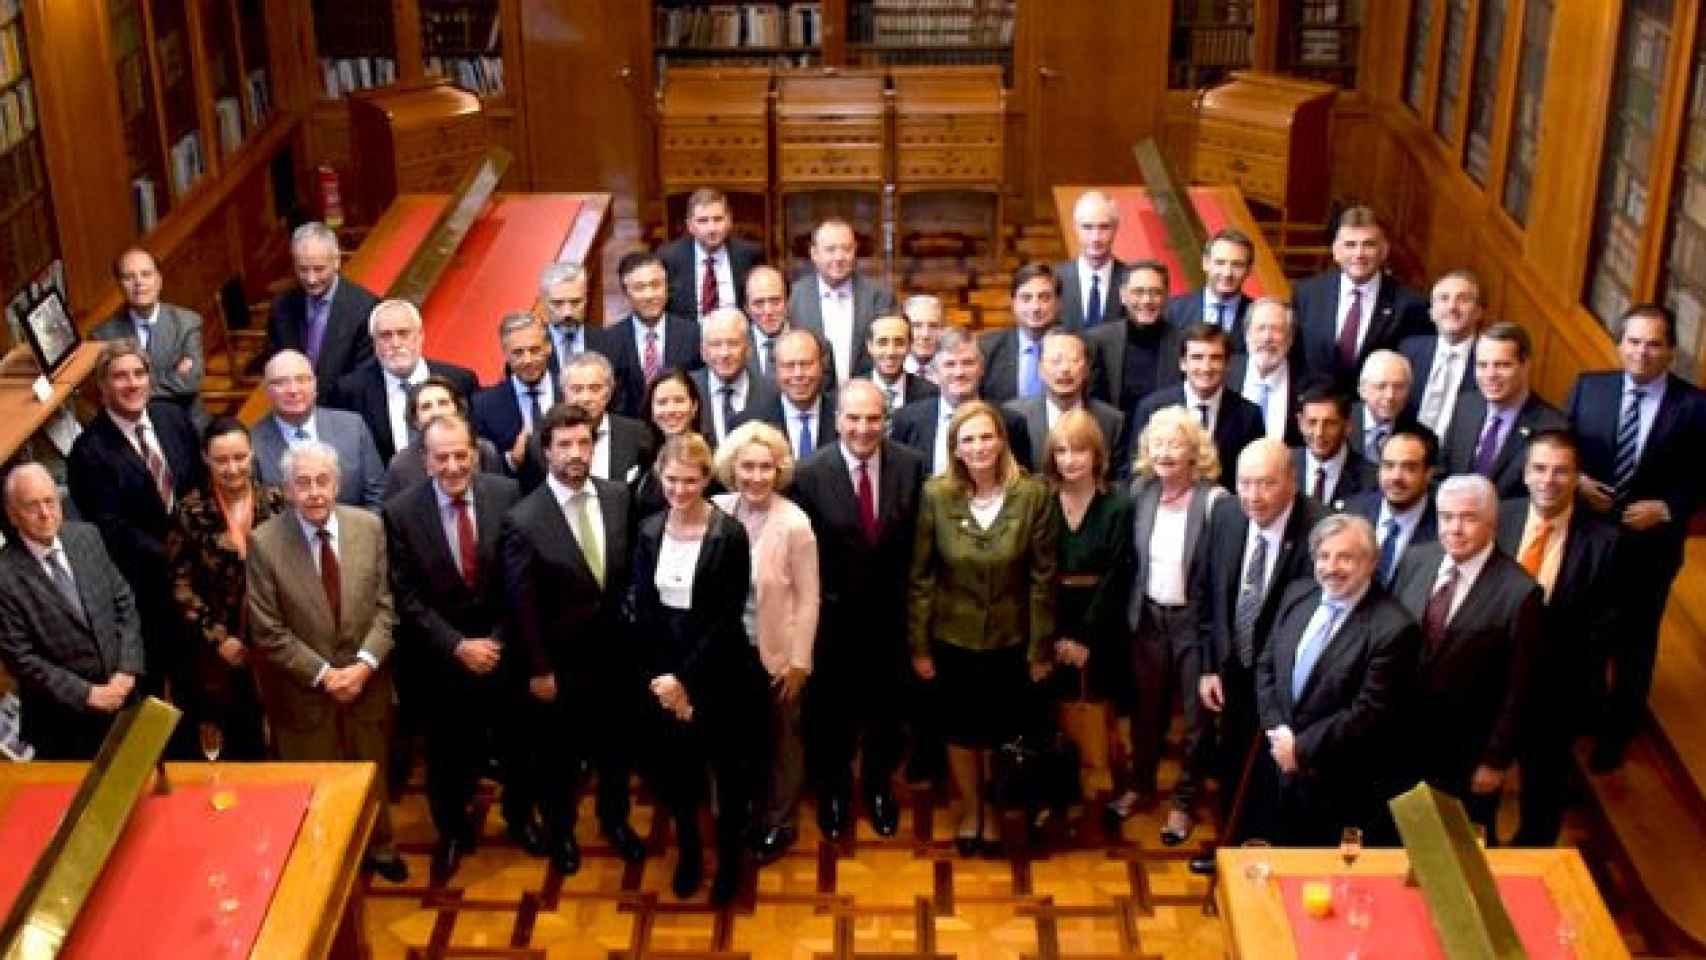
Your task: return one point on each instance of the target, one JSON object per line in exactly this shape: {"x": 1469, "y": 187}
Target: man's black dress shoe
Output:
{"x": 834, "y": 816}
{"x": 689, "y": 871}
{"x": 566, "y": 856}
{"x": 1202, "y": 866}
{"x": 775, "y": 842}
{"x": 626, "y": 843}
{"x": 1607, "y": 755}
{"x": 390, "y": 868}
{"x": 528, "y": 837}
{"x": 446, "y": 858}
{"x": 884, "y": 811}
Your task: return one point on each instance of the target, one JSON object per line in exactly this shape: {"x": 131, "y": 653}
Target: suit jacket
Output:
{"x": 680, "y": 350}
{"x": 707, "y": 649}
{"x": 633, "y": 444}
{"x": 1146, "y": 499}
{"x": 870, "y": 301}
{"x": 915, "y": 426}
{"x": 1473, "y": 688}
{"x": 1356, "y": 476}
{"x": 1396, "y": 312}
{"x": 1583, "y": 611}
{"x": 292, "y": 624}
{"x": 363, "y": 392}
{"x": 1238, "y": 367}
{"x": 912, "y": 388}
{"x": 1072, "y": 296}
{"x": 55, "y": 653}
{"x": 864, "y": 583}
{"x": 496, "y": 413}
{"x": 1186, "y": 310}
{"x": 436, "y": 607}
{"x": 1667, "y": 468}
{"x": 1419, "y": 350}
{"x": 1112, "y": 423}
{"x": 1218, "y": 577}
{"x": 678, "y": 258}
{"x": 407, "y": 466}
{"x": 1349, "y": 712}
{"x": 361, "y": 474}
{"x": 1001, "y": 349}
{"x": 1464, "y": 436}
{"x": 824, "y": 431}
{"x": 760, "y": 392}
{"x": 1238, "y": 423}
{"x": 1107, "y": 343}
{"x": 176, "y": 334}
{"x": 346, "y": 344}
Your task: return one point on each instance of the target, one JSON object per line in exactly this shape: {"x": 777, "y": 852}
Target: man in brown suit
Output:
{"x": 320, "y": 610}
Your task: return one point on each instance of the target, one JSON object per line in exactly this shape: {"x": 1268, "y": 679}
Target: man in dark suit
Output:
{"x": 1332, "y": 688}
{"x": 708, "y": 267}
{"x": 126, "y": 471}
{"x": 1401, "y": 510}
{"x": 1254, "y": 546}
{"x": 563, "y": 289}
{"x": 1131, "y": 360}
{"x": 1489, "y": 432}
{"x": 1443, "y": 361}
{"x": 507, "y": 412}
{"x": 1346, "y": 313}
{"x": 325, "y": 316}
{"x": 622, "y": 446}
{"x": 379, "y": 391}
{"x": 1012, "y": 358}
{"x": 923, "y": 424}
{"x": 1641, "y": 431}
{"x": 1066, "y": 371}
{"x": 1481, "y": 616}
{"x": 1232, "y": 420}
{"x": 924, "y": 314}
{"x": 170, "y": 334}
{"x": 860, "y": 658}
{"x": 68, "y": 628}
{"x": 1384, "y": 389}
{"x": 1226, "y": 261}
{"x": 804, "y": 408}
{"x": 295, "y": 419}
{"x": 566, "y": 549}
{"x": 1090, "y": 281}
{"x": 1260, "y": 368}
{"x": 767, "y": 307}
{"x": 649, "y": 340}
{"x": 730, "y": 381}
{"x": 447, "y": 582}
{"x": 889, "y": 343}
{"x": 1327, "y": 468}
{"x": 838, "y": 304}
{"x": 1570, "y": 552}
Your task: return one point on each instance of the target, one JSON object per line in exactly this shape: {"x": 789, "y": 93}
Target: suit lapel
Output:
{"x": 381, "y": 407}
{"x": 1036, "y": 422}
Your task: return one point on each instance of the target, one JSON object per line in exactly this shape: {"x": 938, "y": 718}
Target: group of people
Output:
{"x": 762, "y": 537}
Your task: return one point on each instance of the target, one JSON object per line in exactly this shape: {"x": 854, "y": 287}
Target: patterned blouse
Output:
{"x": 208, "y": 578}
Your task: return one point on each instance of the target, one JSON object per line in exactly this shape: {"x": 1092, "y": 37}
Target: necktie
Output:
{"x": 301, "y": 435}
{"x": 1628, "y": 443}
{"x": 867, "y": 503}
{"x": 467, "y": 547}
{"x": 1249, "y": 605}
{"x": 649, "y": 363}
{"x": 1535, "y": 555}
{"x": 331, "y": 579}
{"x": 728, "y": 410}
{"x": 1433, "y": 402}
{"x": 1223, "y": 315}
{"x": 1093, "y": 309}
{"x": 1320, "y": 491}
{"x": 708, "y": 287}
{"x": 1202, "y": 412}
{"x": 144, "y": 330}
{"x": 315, "y": 335}
{"x": 59, "y": 572}
{"x": 805, "y": 436}
{"x": 1030, "y": 376}
{"x": 582, "y": 518}
{"x": 157, "y": 468}
{"x": 535, "y": 415}
{"x": 769, "y": 353}
{"x": 1388, "y": 552}
{"x": 1348, "y": 333}
{"x": 1438, "y": 611}
{"x": 1267, "y": 393}
{"x": 1309, "y": 651}
{"x": 1377, "y": 439}
{"x": 1488, "y": 449}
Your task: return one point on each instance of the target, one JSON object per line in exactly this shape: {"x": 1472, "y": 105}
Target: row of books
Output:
{"x": 1220, "y": 46}
{"x": 734, "y": 26}
{"x": 228, "y": 112}
{"x": 932, "y": 23}
{"x": 17, "y": 113}
{"x": 1320, "y": 46}
{"x": 481, "y": 75}
{"x": 460, "y": 29}
{"x": 1324, "y": 11}
{"x": 343, "y": 75}
{"x": 11, "y": 53}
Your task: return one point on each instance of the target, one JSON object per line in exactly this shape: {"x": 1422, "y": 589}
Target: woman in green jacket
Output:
{"x": 982, "y": 603}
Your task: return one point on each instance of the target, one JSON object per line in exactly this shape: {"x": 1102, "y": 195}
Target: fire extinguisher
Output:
{"x": 331, "y": 199}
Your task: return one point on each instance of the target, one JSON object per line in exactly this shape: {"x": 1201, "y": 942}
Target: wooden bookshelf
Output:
{"x": 1682, "y": 279}
{"x": 1453, "y": 69}
{"x": 1210, "y": 39}
{"x": 963, "y": 33}
{"x": 1523, "y": 157}
{"x": 1322, "y": 41}
{"x": 29, "y": 246}
{"x": 462, "y": 41}
{"x": 707, "y": 33}
{"x": 1484, "y": 91}
{"x": 1418, "y": 40}
{"x": 356, "y": 45}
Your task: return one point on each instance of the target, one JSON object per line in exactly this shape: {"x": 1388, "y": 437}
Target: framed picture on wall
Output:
{"x": 52, "y": 335}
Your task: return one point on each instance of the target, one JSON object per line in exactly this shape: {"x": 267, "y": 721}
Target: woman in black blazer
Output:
{"x": 671, "y": 409}
{"x": 692, "y": 571}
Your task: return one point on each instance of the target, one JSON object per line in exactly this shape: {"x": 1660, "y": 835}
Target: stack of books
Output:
{"x": 343, "y": 75}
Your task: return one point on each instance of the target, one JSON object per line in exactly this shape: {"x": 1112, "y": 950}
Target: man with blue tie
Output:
{"x": 325, "y": 316}
{"x": 296, "y": 420}
{"x": 1331, "y": 686}
{"x": 1226, "y": 261}
{"x": 1489, "y": 431}
{"x": 1013, "y": 358}
{"x": 1400, "y": 510}
{"x": 803, "y": 411}
{"x": 507, "y": 412}
{"x": 1640, "y": 430}
{"x": 1091, "y": 281}
{"x": 563, "y": 290}
{"x": 1260, "y": 369}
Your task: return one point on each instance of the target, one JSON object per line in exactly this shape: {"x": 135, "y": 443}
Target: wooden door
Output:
{"x": 1091, "y": 74}
{"x": 588, "y": 90}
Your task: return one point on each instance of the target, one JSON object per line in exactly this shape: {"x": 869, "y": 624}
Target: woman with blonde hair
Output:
{"x": 981, "y": 604}
{"x": 756, "y": 463}
{"x": 1173, "y": 490}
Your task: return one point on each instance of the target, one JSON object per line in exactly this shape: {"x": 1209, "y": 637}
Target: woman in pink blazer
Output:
{"x": 781, "y": 609}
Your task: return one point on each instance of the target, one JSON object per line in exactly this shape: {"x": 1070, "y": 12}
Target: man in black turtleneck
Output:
{"x": 1131, "y": 360}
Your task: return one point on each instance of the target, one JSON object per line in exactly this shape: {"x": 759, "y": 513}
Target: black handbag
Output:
{"x": 1036, "y": 771}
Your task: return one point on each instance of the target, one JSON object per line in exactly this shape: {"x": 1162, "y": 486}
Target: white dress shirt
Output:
{"x": 678, "y": 562}
{"x": 1105, "y": 277}
{"x": 601, "y": 451}
{"x": 547, "y": 396}
{"x": 896, "y": 391}
{"x": 1166, "y": 583}
{"x": 1192, "y": 402}
{"x": 737, "y": 398}
{"x": 291, "y": 431}
{"x": 725, "y": 276}
{"x": 44, "y": 555}
{"x": 144, "y": 324}
{"x": 1334, "y": 465}
{"x": 791, "y": 420}
{"x": 397, "y": 400}
{"x": 1408, "y": 521}
{"x": 940, "y": 458}
{"x": 836, "y": 305}
{"x": 1370, "y": 293}
{"x": 1650, "y": 401}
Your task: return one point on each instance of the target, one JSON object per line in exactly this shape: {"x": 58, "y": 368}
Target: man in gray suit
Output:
{"x": 838, "y": 304}
{"x": 297, "y": 419}
{"x": 69, "y": 633}
{"x": 171, "y": 334}
{"x": 1066, "y": 375}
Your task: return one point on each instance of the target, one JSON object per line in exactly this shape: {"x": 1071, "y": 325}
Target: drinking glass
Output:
{"x": 1359, "y": 915}
{"x": 1259, "y": 869}
{"x": 1350, "y": 846}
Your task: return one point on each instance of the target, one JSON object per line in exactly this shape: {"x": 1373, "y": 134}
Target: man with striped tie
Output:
{"x": 1639, "y": 430}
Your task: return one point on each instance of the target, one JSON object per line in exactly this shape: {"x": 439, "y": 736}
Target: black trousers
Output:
{"x": 461, "y": 739}
{"x": 854, "y": 699}
{"x": 721, "y": 744}
{"x": 1236, "y": 729}
{"x": 582, "y": 728}
{"x": 1651, "y": 564}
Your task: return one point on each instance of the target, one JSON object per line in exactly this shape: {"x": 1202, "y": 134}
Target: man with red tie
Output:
{"x": 1348, "y": 312}
{"x": 708, "y": 267}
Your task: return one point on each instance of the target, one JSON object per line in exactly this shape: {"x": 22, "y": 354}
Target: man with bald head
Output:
{"x": 838, "y": 304}
{"x": 1482, "y": 617}
{"x": 296, "y": 418}
{"x": 69, "y": 633}
{"x": 1384, "y": 389}
{"x": 1090, "y": 282}
{"x": 890, "y": 344}
{"x": 804, "y": 408}
{"x": 730, "y": 380}
{"x": 379, "y": 391}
